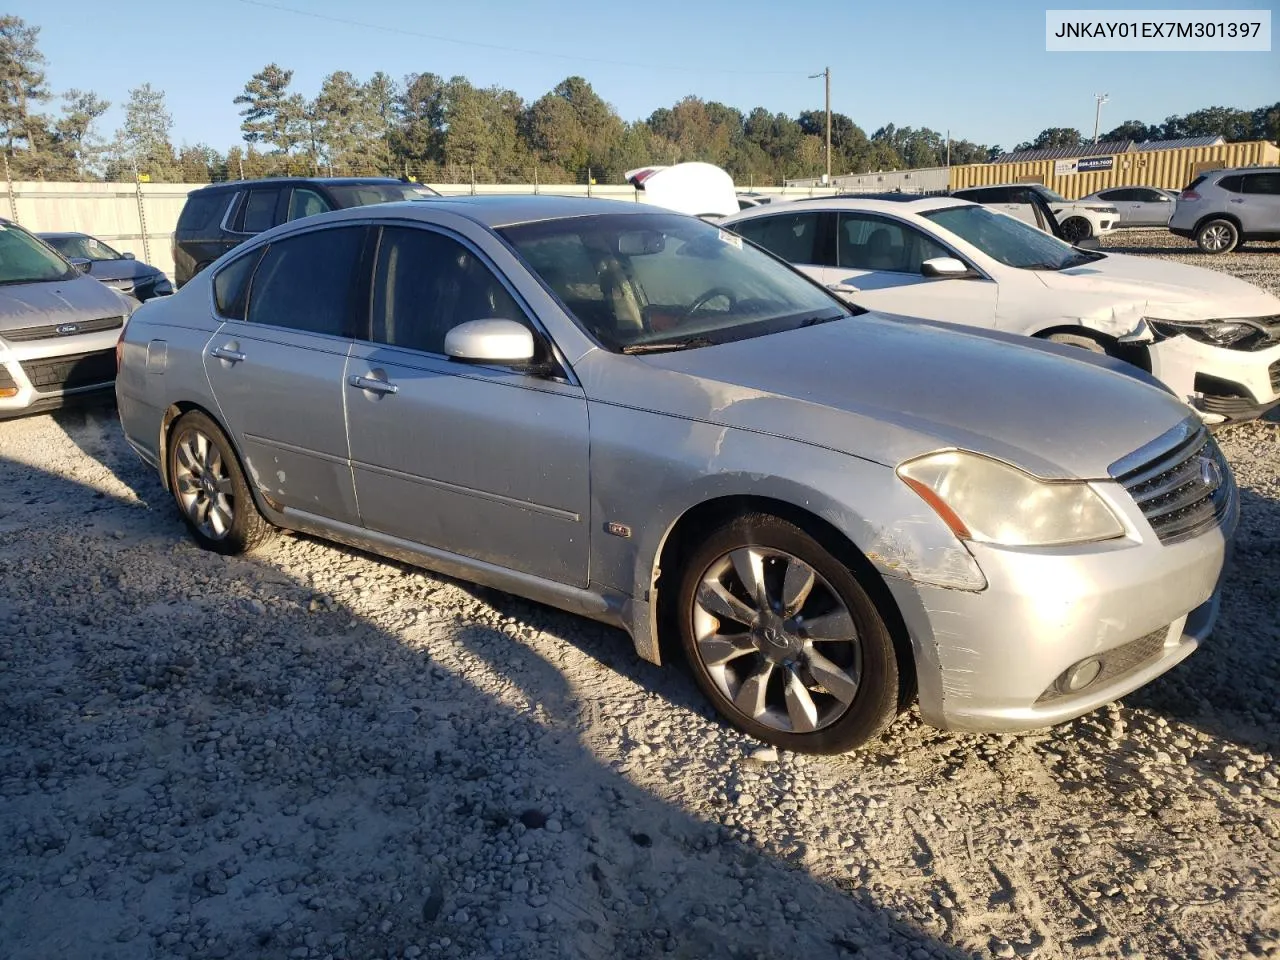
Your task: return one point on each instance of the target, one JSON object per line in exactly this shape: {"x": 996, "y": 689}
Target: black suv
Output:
{"x": 223, "y": 215}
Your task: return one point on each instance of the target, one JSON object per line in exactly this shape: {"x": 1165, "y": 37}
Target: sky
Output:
{"x": 978, "y": 69}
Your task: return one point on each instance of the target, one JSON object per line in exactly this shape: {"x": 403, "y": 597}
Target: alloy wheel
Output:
{"x": 1216, "y": 238}
{"x": 776, "y": 639}
{"x": 203, "y": 484}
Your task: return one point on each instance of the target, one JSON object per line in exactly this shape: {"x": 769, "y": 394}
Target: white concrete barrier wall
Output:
{"x": 115, "y": 212}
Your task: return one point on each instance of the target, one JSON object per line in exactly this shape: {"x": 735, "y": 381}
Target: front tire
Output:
{"x": 1075, "y": 229}
{"x": 784, "y": 640}
{"x": 1077, "y": 340}
{"x": 210, "y": 489}
{"x": 1217, "y": 236}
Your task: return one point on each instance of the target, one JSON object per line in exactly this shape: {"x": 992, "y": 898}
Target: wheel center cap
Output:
{"x": 773, "y": 640}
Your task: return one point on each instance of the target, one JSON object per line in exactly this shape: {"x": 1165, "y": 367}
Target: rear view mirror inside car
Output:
{"x": 633, "y": 243}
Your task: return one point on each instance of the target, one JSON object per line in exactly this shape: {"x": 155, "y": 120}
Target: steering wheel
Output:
{"x": 710, "y": 295}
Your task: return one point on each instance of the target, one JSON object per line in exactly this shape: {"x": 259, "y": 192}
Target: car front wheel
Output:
{"x": 1217, "y": 236}
{"x": 210, "y": 488}
{"x": 1075, "y": 229}
{"x": 784, "y": 640}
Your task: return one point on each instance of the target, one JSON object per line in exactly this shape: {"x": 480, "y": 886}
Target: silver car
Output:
{"x": 641, "y": 418}
{"x": 58, "y": 327}
{"x": 1222, "y": 209}
{"x": 1138, "y": 206}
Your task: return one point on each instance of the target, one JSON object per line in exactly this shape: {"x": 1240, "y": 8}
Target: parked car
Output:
{"x": 1225, "y": 208}
{"x": 1213, "y": 339}
{"x": 218, "y": 217}
{"x": 637, "y": 416}
{"x": 1080, "y": 220}
{"x": 120, "y": 271}
{"x": 58, "y": 327}
{"x": 748, "y": 200}
{"x": 1137, "y": 206}
{"x": 699, "y": 189}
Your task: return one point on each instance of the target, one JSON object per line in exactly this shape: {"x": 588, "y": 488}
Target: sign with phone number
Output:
{"x": 1064, "y": 168}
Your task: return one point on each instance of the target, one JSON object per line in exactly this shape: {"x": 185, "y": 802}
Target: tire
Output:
{"x": 210, "y": 489}
{"x": 1080, "y": 340}
{"x": 773, "y": 677}
{"x": 1075, "y": 229}
{"x": 1217, "y": 236}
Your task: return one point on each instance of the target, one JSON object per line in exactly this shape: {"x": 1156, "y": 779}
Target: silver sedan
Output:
{"x": 641, "y": 418}
{"x": 1138, "y": 206}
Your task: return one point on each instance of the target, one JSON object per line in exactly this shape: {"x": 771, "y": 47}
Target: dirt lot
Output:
{"x": 315, "y": 753}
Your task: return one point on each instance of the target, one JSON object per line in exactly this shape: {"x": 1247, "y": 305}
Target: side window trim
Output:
{"x": 242, "y": 298}
{"x": 233, "y": 208}
{"x": 529, "y": 319}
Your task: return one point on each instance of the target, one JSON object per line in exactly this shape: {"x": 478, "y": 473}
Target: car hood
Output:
{"x": 57, "y": 301}
{"x": 121, "y": 270}
{"x": 1145, "y": 286}
{"x": 887, "y": 390}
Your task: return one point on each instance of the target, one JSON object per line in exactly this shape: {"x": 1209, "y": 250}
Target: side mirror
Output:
{"x": 81, "y": 264}
{"x": 944, "y": 267}
{"x": 127, "y": 256}
{"x": 489, "y": 341}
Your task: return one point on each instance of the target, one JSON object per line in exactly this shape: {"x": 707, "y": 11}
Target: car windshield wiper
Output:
{"x": 1044, "y": 266}
{"x": 662, "y": 346}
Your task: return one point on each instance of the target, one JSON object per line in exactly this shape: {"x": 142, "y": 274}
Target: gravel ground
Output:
{"x": 315, "y": 753}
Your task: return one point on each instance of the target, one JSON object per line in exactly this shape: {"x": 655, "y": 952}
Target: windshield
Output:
{"x": 365, "y": 194}
{"x": 640, "y": 282}
{"x": 24, "y": 259}
{"x": 84, "y": 248}
{"x": 1010, "y": 241}
{"x": 1053, "y": 196}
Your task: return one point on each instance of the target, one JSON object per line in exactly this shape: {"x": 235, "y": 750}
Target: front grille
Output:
{"x": 1117, "y": 664}
{"x": 1274, "y": 370}
{"x": 71, "y": 371}
{"x": 53, "y": 329}
{"x": 1182, "y": 491}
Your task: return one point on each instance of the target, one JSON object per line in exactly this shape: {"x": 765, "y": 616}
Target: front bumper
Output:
{"x": 992, "y": 660}
{"x": 1221, "y": 384}
{"x": 46, "y": 374}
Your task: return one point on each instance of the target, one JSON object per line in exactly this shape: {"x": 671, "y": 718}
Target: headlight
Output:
{"x": 1103, "y": 209}
{"x": 992, "y": 502}
{"x": 1217, "y": 333}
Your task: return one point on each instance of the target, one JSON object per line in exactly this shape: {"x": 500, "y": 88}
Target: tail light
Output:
{"x": 1188, "y": 195}
{"x": 120, "y": 345}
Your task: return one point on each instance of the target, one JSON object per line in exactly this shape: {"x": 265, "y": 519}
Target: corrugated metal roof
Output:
{"x": 1062, "y": 153}
{"x": 1180, "y": 143}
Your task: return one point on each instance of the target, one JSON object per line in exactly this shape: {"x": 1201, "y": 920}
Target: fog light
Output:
{"x": 7, "y": 392}
{"x": 1080, "y": 676}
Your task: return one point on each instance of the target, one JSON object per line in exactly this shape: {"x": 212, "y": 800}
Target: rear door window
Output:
{"x": 308, "y": 282}
{"x": 1265, "y": 183}
{"x": 305, "y": 202}
{"x": 794, "y": 237}
{"x": 258, "y": 212}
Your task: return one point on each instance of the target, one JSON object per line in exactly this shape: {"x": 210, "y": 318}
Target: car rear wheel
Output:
{"x": 1217, "y": 236}
{"x": 1075, "y": 229}
{"x": 784, "y": 640}
{"x": 210, "y": 488}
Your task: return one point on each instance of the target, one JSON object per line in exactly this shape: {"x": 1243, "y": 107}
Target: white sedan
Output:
{"x": 1213, "y": 339}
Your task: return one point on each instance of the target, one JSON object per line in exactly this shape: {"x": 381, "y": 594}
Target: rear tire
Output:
{"x": 1075, "y": 229}
{"x": 801, "y": 658}
{"x": 210, "y": 489}
{"x": 1217, "y": 236}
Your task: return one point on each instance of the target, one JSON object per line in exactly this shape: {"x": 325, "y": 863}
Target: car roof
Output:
{"x": 872, "y": 203}
{"x": 993, "y": 186}
{"x": 285, "y": 181}
{"x": 493, "y": 211}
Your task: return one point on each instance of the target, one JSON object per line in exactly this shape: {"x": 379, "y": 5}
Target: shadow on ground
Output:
{"x": 198, "y": 761}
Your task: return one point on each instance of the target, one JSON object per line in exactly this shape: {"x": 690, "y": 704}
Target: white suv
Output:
{"x": 1079, "y": 219}
{"x": 1223, "y": 208}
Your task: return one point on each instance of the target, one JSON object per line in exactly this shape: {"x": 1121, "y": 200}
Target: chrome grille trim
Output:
{"x": 50, "y": 331}
{"x": 1181, "y": 482}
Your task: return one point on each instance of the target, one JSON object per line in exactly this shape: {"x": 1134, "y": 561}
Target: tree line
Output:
{"x": 449, "y": 130}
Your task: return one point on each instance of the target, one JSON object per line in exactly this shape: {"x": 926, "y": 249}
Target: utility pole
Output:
{"x": 948, "y": 148}
{"x": 1100, "y": 99}
{"x": 826, "y": 75}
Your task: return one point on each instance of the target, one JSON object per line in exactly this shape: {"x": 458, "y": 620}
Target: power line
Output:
{"x": 400, "y": 31}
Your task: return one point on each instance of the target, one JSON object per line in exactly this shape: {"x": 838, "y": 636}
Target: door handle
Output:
{"x": 372, "y": 385}
{"x": 226, "y": 353}
{"x": 841, "y": 288}
{"x": 1235, "y": 199}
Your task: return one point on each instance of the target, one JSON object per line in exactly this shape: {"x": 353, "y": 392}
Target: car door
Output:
{"x": 487, "y": 462}
{"x": 802, "y": 238}
{"x": 289, "y": 310}
{"x": 881, "y": 259}
{"x": 1260, "y": 212}
{"x": 1126, "y": 203}
{"x": 1151, "y": 208}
